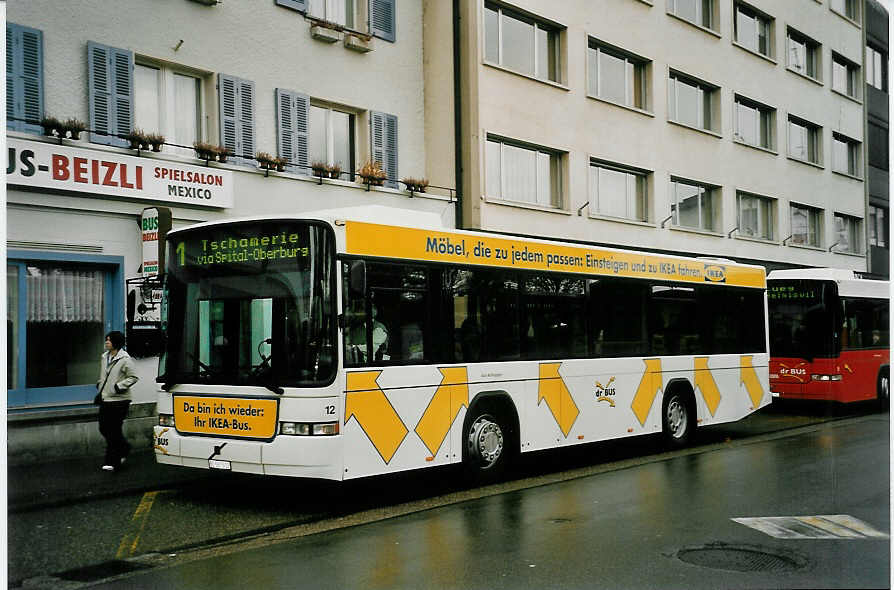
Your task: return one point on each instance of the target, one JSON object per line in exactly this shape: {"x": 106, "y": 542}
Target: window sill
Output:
{"x": 755, "y": 53}
{"x": 622, "y": 105}
{"x": 696, "y": 25}
{"x": 807, "y": 247}
{"x": 847, "y": 96}
{"x": 695, "y": 230}
{"x": 758, "y": 240}
{"x": 854, "y": 254}
{"x": 816, "y": 81}
{"x": 755, "y": 147}
{"x": 807, "y": 162}
{"x": 647, "y": 2}
{"x": 524, "y": 75}
{"x": 699, "y": 129}
{"x": 847, "y": 175}
{"x": 521, "y": 205}
{"x": 602, "y": 217}
{"x": 847, "y": 18}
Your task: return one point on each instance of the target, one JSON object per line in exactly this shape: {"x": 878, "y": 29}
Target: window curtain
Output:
{"x": 64, "y": 295}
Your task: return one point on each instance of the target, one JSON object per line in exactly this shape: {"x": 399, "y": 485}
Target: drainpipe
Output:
{"x": 457, "y": 118}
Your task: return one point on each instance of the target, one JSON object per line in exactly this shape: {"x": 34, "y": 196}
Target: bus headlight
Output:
{"x": 308, "y": 429}
{"x": 166, "y": 420}
{"x": 817, "y": 377}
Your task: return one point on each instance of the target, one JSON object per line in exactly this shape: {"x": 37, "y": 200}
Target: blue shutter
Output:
{"x": 237, "y": 116}
{"x": 110, "y": 79}
{"x": 292, "y": 119}
{"x": 383, "y": 137}
{"x": 382, "y": 19}
{"x": 299, "y": 5}
{"x": 24, "y": 78}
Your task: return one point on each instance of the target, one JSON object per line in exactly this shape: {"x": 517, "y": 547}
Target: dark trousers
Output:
{"x": 111, "y": 419}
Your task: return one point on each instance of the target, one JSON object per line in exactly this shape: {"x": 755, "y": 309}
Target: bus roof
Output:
{"x": 849, "y": 284}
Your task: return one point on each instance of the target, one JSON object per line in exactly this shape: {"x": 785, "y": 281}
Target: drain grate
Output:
{"x": 741, "y": 558}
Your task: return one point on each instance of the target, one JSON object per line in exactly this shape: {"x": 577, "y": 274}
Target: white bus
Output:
{"x": 334, "y": 347}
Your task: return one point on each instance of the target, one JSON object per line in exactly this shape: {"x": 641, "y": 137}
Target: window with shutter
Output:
{"x": 237, "y": 119}
{"x": 383, "y": 136}
{"x": 382, "y": 19}
{"x": 24, "y": 78}
{"x": 111, "y": 93}
{"x": 292, "y": 128}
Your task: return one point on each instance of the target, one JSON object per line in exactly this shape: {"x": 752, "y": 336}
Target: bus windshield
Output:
{"x": 802, "y": 318}
{"x": 250, "y": 303}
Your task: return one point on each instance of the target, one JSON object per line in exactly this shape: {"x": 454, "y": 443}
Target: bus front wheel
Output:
{"x": 677, "y": 419}
{"x": 486, "y": 445}
{"x": 883, "y": 389}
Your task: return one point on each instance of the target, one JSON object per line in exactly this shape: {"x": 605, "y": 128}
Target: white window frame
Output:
{"x": 340, "y": 12}
{"x": 166, "y": 104}
{"x": 853, "y": 227}
{"x": 766, "y": 117}
{"x": 761, "y": 19}
{"x": 849, "y": 9}
{"x": 852, "y": 76}
{"x": 330, "y": 136}
{"x": 552, "y": 32}
{"x": 876, "y": 65}
{"x": 766, "y": 229}
{"x": 815, "y": 216}
{"x": 853, "y": 148}
{"x": 813, "y": 50}
{"x": 634, "y": 67}
{"x": 640, "y": 188}
{"x": 814, "y": 137}
{"x": 707, "y": 96}
{"x": 706, "y": 191}
{"x": 552, "y": 201}
{"x": 704, "y": 13}
{"x": 877, "y": 225}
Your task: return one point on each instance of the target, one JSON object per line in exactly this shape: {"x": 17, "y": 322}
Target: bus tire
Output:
{"x": 487, "y": 446}
{"x": 677, "y": 417}
{"x": 883, "y": 389}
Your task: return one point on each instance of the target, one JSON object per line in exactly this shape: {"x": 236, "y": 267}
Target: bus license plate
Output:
{"x": 218, "y": 464}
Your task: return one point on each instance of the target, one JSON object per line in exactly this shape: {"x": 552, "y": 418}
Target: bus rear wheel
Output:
{"x": 677, "y": 419}
{"x": 883, "y": 389}
{"x": 486, "y": 446}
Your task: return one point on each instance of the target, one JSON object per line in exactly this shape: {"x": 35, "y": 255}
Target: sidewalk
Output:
{"x": 59, "y": 482}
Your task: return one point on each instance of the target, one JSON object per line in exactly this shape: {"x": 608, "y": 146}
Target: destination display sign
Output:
{"x": 267, "y": 246}
{"x": 793, "y": 292}
{"x": 369, "y": 239}
{"x": 225, "y": 416}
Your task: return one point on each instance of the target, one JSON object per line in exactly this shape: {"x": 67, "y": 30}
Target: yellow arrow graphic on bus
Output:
{"x": 748, "y": 377}
{"x": 704, "y": 381}
{"x": 648, "y": 388}
{"x": 558, "y": 398}
{"x": 366, "y": 402}
{"x": 452, "y": 394}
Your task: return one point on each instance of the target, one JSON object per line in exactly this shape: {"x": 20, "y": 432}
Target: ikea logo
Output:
{"x": 715, "y": 273}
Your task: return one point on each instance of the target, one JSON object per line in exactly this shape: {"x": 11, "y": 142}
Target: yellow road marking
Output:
{"x": 130, "y": 541}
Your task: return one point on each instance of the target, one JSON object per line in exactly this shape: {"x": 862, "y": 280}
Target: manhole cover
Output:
{"x": 741, "y": 558}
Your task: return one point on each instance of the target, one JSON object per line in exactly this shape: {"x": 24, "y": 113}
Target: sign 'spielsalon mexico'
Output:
{"x": 60, "y": 167}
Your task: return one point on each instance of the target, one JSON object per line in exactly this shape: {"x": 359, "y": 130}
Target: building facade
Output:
{"x": 334, "y": 83}
{"x": 706, "y": 127}
{"x": 878, "y": 178}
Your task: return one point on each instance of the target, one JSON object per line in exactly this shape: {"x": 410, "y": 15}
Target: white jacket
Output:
{"x": 116, "y": 379}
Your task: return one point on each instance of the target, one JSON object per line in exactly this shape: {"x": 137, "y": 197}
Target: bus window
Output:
{"x": 617, "y": 312}
{"x": 554, "y": 318}
{"x": 399, "y": 305}
{"x": 466, "y": 306}
{"x": 674, "y": 321}
{"x": 864, "y": 323}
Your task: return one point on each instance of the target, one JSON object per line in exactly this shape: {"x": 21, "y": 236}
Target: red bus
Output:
{"x": 828, "y": 336}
